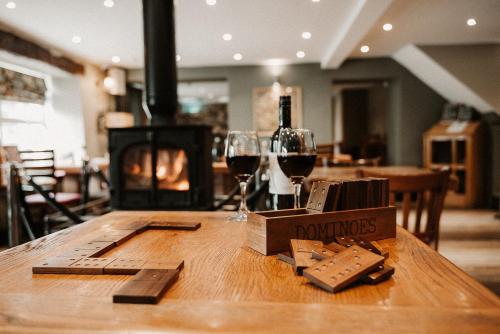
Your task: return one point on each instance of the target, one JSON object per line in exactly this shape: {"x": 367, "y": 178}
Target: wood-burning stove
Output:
{"x": 162, "y": 166}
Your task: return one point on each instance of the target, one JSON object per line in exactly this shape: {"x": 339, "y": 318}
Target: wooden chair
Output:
{"x": 62, "y": 216}
{"x": 373, "y": 146}
{"x": 429, "y": 190}
{"x": 40, "y": 167}
{"x": 324, "y": 154}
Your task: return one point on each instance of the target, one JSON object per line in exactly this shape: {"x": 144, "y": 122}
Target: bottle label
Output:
{"x": 278, "y": 182}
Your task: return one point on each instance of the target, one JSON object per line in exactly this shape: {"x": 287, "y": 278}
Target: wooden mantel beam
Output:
{"x": 23, "y": 47}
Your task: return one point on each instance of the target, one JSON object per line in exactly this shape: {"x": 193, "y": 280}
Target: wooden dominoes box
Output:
{"x": 269, "y": 232}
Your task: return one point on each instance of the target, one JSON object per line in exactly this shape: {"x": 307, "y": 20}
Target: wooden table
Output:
{"x": 227, "y": 287}
{"x": 336, "y": 173}
{"x": 339, "y": 173}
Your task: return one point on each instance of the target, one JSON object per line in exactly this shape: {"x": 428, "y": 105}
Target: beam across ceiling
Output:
{"x": 361, "y": 20}
{"x": 15, "y": 44}
{"x": 438, "y": 78}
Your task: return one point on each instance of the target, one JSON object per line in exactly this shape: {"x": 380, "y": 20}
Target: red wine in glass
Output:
{"x": 297, "y": 166}
{"x": 243, "y": 159}
{"x": 296, "y": 157}
{"x": 243, "y": 166}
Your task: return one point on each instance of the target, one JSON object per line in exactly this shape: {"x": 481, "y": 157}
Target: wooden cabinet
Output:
{"x": 459, "y": 147}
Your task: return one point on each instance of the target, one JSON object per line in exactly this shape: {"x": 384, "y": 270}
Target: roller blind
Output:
{"x": 16, "y": 86}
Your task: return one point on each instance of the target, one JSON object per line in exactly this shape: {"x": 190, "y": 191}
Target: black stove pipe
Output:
{"x": 159, "y": 61}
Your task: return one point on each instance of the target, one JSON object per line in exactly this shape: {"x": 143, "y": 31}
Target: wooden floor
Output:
{"x": 471, "y": 240}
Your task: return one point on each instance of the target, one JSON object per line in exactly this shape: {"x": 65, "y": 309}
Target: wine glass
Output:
{"x": 243, "y": 160}
{"x": 296, "y": 157}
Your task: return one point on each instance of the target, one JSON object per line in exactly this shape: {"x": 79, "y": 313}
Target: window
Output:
{"x": 23, "y": 124}
{"x": 42, "y": 111}
{"x": 23, "y": 109}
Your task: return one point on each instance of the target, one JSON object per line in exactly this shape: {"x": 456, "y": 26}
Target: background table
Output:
{"x": 336, "y": 173}
{"x": 225, "y": 286}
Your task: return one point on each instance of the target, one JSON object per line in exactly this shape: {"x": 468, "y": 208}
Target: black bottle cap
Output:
{"x": 285, "y": 100}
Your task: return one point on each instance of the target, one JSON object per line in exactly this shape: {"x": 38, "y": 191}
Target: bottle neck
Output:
{"x": 285, "y": 119}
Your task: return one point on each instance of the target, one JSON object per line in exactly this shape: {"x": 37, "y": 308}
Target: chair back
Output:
{"x": 324, "y": 154}
{"x": 39, "y": 165}
{"x": 17, "y": 210}
{"x": 428, "y": 190}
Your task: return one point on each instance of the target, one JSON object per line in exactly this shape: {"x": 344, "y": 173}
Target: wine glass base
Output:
{"x": 240, "y": 216}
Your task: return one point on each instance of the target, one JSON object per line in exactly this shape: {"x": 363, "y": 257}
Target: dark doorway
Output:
{"x": 362, "y": 111}
{"x": 355, "y": 120}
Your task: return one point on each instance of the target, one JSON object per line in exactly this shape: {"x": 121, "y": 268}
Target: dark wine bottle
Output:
{"x": 280, "y": 187}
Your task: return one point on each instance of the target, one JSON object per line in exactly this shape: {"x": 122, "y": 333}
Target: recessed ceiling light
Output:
{"x": 300, "y": 54}
{"x": 178, "y": 58}
{"x": 315, "y": 0}
{"x": 365, "y": 48}
{"x": 227, "y": 37}
{"x": 306, "y": 35}
{"x": 115, "y": 59}
{"x": 387, "y": 27}
{"x": 10, "y": 5}
{"x": 237, "y": 56}
{"x": 211, "y": 2}
{"x": 108, "y": 3}
{"x": 471, "y": 22}
{"x": 76, "y": 39}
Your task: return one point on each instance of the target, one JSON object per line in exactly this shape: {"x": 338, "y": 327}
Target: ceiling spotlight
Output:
{"x": 115, "y": 59}
{"x": 365, "y": 48}
{"x": 237, "y": 56}
{"x": 315, "y": 0}
{"x": 471, "y": 22}
{"x": 76, "y": 39}
{"x": 10, "y": 5}
{"x": 387, "y": 27}
{"x": 178, "y": 58}
{"x": 211, "y": 2}
{"x": 300, "y": 54}
{"x": 306, "y": 35}
{"x": 108, "y": 3}
{"x": 227, "y": 37}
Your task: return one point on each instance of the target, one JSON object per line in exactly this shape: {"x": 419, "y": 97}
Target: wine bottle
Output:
{"x": 280, "y": 187}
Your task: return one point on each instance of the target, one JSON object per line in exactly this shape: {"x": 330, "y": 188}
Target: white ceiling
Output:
{"x": 105, "y": 32}
{"x": 433, "y": 22}
{"x": 262, "y": 29}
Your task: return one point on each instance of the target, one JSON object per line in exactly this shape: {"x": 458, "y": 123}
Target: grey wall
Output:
{"x": 476, "y": 65}
{"x": 413, "y": 106}
{"x": 378, "y": 99}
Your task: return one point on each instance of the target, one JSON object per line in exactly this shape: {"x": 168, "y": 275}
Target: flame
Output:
{"x": 171, "y": 170}
{"x": 161, "y": 173}
{"x": 135, "y": 169}
{"x": 182, "y": 185}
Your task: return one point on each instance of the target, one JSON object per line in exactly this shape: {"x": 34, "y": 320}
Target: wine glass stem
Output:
{"x": 296, "y": 198}
{"x": 243, "y": 205}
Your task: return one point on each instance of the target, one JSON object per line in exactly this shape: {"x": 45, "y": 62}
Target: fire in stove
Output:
{"x": 171, "y": 169}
